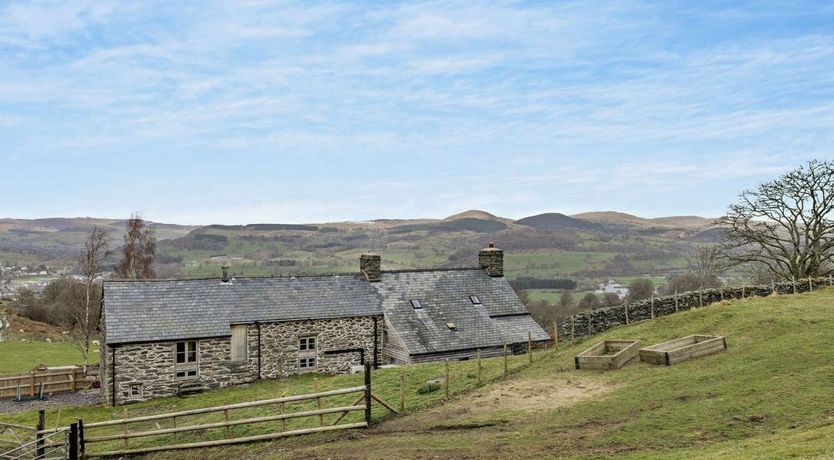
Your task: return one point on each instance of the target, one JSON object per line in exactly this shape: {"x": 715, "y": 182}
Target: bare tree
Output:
{"x": 785, "y": 224}
{"x": 566, "y": 299}
{"x": 707, "y": 263}
{"x": 639, "y": 289}
{"x": 138, "y": 252}
{"x": 92, "y": 266}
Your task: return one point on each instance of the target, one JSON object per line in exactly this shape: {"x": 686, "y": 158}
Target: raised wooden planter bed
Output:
{"x": 610, "y": 354}
{"x": 675, "y": 351}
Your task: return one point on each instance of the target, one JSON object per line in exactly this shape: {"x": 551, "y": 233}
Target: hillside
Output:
{"x": 767, "y": 396}
{"x": 555, "y": 220}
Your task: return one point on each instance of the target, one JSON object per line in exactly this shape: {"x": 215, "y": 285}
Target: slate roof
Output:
{"x": 143, "y": 311}
{"x": 445, "y": 298}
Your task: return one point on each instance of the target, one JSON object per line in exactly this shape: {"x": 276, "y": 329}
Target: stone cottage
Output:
{"x": 168, "y": 337}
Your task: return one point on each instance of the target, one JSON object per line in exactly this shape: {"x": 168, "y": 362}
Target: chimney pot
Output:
{"x": 371, "y": 266}
{"x": 491, "y": 259}
{"x": 225, "y": 269}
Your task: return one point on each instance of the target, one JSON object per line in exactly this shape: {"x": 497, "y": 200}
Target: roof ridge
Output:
{"x": 280, "y": 276}
{"x": 418, "y": 270}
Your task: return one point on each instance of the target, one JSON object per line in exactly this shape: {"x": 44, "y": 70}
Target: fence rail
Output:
{"x": 112, "y": 436}
{"x": 30, "y": 384}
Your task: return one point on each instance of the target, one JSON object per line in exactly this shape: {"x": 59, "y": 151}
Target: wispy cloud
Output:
{"x": 514, "y": 105}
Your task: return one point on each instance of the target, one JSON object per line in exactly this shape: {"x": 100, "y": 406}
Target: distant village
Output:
{"x": 14, "y": 278}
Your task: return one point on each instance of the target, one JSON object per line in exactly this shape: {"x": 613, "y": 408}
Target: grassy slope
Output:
{"x": 17, "y": 357}
{"x": 767, "y": 396}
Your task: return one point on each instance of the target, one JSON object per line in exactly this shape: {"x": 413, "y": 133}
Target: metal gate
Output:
{"x": 18, "y": 442}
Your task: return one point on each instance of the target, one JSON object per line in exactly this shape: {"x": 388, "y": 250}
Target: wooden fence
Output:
{"x": 170, "y": 431}
{"x": 60, "y": 380}
{"x": 18, "y": 442}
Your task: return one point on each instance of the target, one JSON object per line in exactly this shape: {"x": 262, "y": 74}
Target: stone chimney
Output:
{"x": 225, "y": 269}
{"x": 371, "y": 266}
{"x": 491, "y": 259}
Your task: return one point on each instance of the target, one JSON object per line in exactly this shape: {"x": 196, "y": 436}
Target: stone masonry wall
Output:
{"x": 152, "y": 364}
{"x": 594, "y": 321}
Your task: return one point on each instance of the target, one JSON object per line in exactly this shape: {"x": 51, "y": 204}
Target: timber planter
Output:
{"x": 685, "y": 348}
{"x": 610, "y": 354}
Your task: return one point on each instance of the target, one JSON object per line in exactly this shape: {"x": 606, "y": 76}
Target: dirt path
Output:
{"x": 516, "y": 397}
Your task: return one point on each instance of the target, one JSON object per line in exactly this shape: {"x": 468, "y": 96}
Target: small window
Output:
{"x": 306, "y": 363}
{"x": 416, "y": 304}
{"x": 187, "y": 374}
{"x": 187, "y": 352}
{"x": 239, "y": 343}
{"x": 475, "y": 300}
{"x": 136, "y": 390}
{"x": 451, "y": 326}
{"x": 307, "y": 344}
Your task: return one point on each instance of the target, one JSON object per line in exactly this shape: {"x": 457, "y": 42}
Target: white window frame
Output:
{"x": 245, "y": 356}
{"x": 190, "y": 369}
{"x": 308, "y": 354}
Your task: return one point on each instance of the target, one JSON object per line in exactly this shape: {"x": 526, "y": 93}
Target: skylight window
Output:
{"x": 451, "y": 326}
{"x": 416, "y": 304}
{"x": 475, "y": 300}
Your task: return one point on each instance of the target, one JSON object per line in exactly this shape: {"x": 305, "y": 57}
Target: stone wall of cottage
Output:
{"x": 279, "y": 344}
{"x": 152, "y": 365}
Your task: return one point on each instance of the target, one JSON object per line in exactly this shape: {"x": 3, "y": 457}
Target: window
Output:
{"x": 307, "y": 353}
{"x": 136, "y": 390}
{"x": 187, "y": 352}
{"x": 186, "y": 359}
{"x": 475, "y": 300}
{"x": 239, "y": 343}
{"x": 306, "y": 363}
{"x": 451, "y": 326}
{"x": 416, "y": 304}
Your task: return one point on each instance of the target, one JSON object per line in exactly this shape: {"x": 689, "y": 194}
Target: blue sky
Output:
{"x": 238, "y": 112}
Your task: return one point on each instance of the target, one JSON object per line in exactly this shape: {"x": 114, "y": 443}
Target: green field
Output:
{"x": 17, "y": 356}
{"x": 767, "y": 396}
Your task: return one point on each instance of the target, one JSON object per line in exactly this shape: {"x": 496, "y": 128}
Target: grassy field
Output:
{"x": 17, "y": 357}
{"x": 767, "y": 396}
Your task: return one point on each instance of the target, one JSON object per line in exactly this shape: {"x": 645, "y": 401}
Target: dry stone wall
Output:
{"x": 594, "y": 321}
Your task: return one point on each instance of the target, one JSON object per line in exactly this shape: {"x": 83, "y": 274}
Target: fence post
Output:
{"x": 368, "y": 392}
{"x": 701, "y": 298}
{"x": 555, "y": 333}
{"x": 124, "y": 417}
{"x": 810, "y": 285}
{"x": 228, "y": 428}
{"x": 73, "y": 442}
{"x": 38, "y": 436}
{"x": 530, "y": 347}
{"x": 829, "y": 280}
{"x": 479, "y": 366}
{"x": 446, "y": 363}
{"x": 676, "y": 300}
{"x": 81, "y": 448}
{"x": 318, "y": 401}
{"x": 652, "y": 306}
{"x": 505, "y": 358}
{"x": 402, "y": 389}
{"x": 793, "y": 280}
{"x": 625, "y": 306}
{"x": 742, "y": 291}
{"x": 773, "y": 286}
{"x": 32, "y": 384}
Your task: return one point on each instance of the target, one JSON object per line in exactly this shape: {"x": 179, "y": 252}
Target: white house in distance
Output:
{"x": 613, "y": 287}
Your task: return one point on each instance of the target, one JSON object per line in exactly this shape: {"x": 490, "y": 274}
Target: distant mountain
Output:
{"x": 478, "y": 215}
{"x": 620, "y": 219}
{"x": 554, "y": 220}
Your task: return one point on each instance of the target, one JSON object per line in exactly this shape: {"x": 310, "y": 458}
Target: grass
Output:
{"x": 767, "y": 396}
{"x": 18, "y": 357}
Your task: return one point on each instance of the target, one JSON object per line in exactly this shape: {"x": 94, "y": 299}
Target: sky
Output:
{"x": 241, "y": 112}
